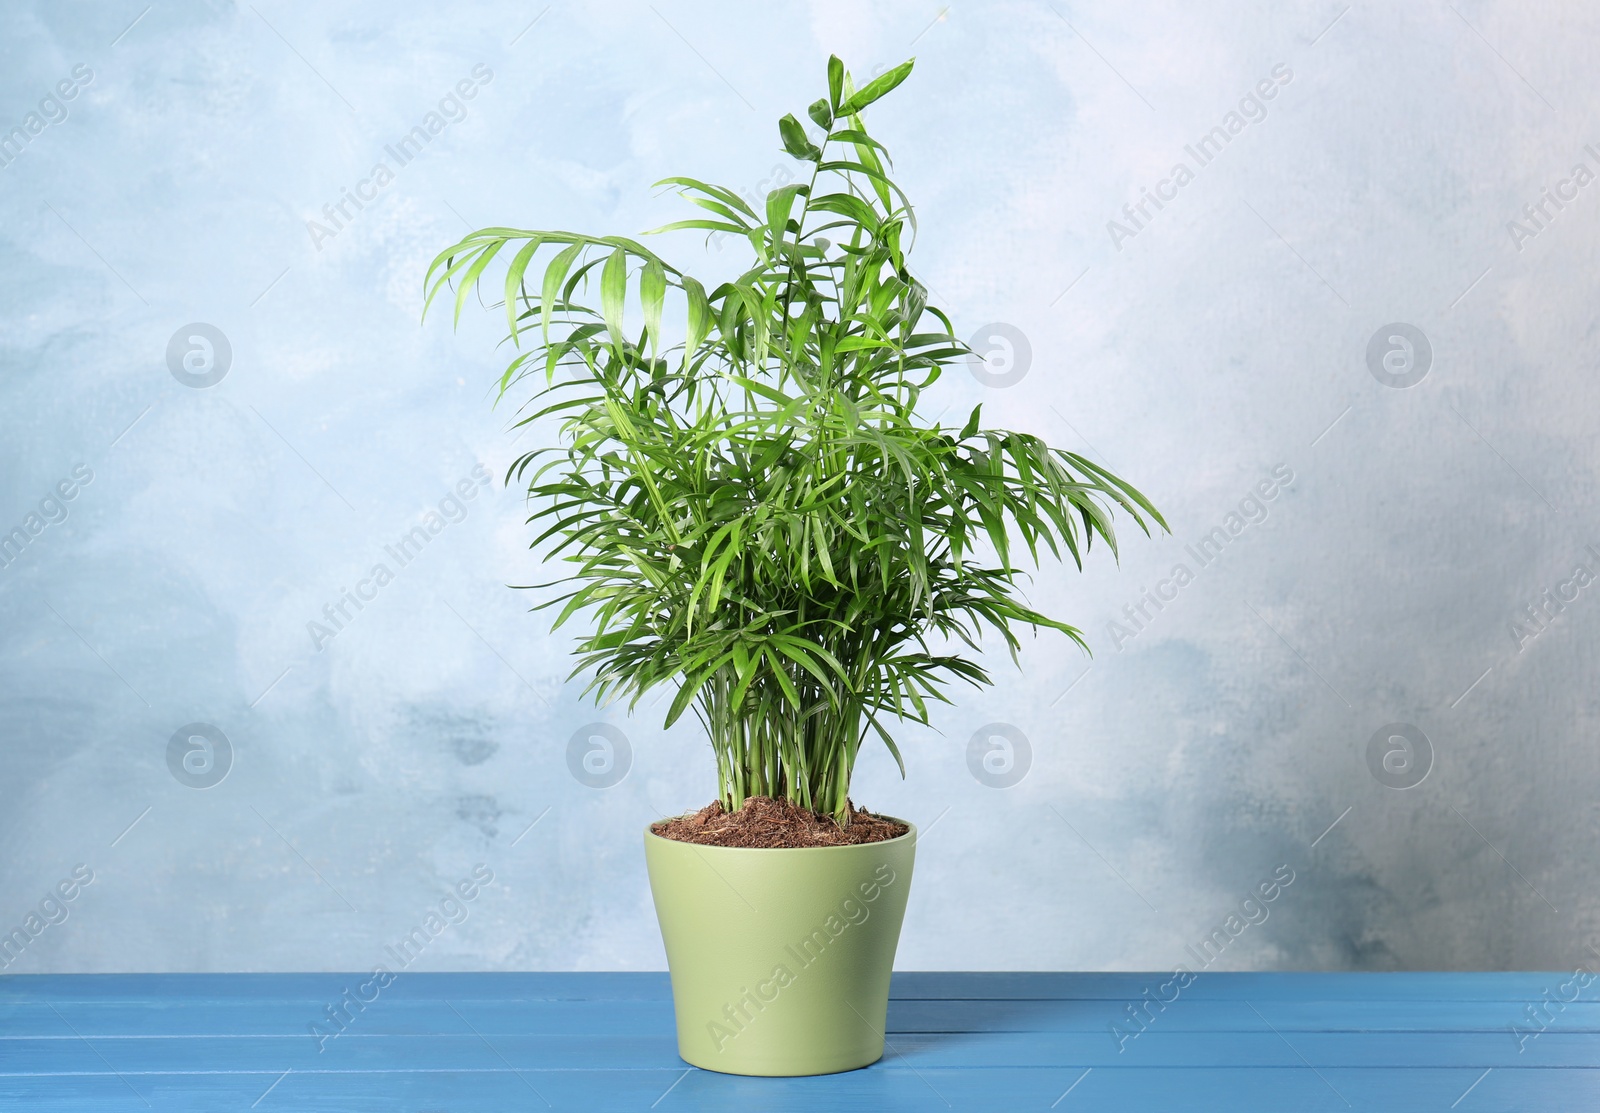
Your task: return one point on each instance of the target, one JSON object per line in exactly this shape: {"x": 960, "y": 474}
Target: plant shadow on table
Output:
{"x": 921, "y": 1024}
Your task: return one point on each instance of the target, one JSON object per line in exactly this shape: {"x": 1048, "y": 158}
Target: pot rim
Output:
{"x": 911, "y": 835}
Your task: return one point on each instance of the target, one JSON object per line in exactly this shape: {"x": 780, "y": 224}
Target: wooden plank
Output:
{"x": 889, "y": 1088}
{"x": 1257, "y": 987}
{"x": 908, "y": 985}
{"x": 581, "y": 1017}
{"x": 387, "y": 1016}
{"x": 919, "y": 1050}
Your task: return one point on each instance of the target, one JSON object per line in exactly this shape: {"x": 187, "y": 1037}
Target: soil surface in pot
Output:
{"x": 765, "y": 822}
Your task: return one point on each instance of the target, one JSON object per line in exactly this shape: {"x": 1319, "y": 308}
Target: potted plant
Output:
{"x": 749, "y": 509}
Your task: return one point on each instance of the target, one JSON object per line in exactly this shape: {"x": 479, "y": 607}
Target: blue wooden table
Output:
{"x": 592, "y": 1042}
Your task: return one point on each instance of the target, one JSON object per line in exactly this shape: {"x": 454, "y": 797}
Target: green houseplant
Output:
{"x": 749, "y": 508}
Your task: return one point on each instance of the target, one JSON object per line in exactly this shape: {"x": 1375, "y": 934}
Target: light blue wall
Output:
{"x": 1225, "y": 337}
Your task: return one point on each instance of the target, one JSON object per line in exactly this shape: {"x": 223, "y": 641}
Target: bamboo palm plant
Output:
{"x": 755, "y": 513}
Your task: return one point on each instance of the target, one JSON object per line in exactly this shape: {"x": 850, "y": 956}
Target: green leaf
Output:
{"x": 514, "y": 274}
{"x": 455, "y": 260}
{"x": 850, "y": 135}
{"x": 554, "y": 275}
{"x": 782, "y": 678}
{"x": 780, "y": 202}
{"x": 707, "y": 225}
{"x": 687, "y": 691}
{"x": 652, "y": 296}
{"x": 795, "y": 141}
{"x": 699, "y": 317}
{"x": 613, "y": 292}
{"x": 876, "y": 88}
{"x": 835, "y": 82}
{"x": 470, "y": 279}
{"x": 820, "y": 114}
{"x": 846, "y": 205}
{"x": 721, "y": 193}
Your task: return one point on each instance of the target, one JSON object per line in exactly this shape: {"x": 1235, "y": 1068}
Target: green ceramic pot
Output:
{"x": 780, "y": 959}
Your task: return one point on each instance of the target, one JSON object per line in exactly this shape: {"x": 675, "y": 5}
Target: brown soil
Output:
{"x": 765, "y": 822}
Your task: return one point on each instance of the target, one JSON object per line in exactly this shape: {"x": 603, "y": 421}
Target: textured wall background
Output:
{"x": 1212, "y": 345}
